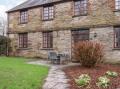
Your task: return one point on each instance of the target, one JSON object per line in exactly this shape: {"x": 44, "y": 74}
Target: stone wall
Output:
{"x": 99, "y": 14}
{"x": 105, "y": 35}
{"x": 100, "y": 19}
{"x": 61, "y": 44}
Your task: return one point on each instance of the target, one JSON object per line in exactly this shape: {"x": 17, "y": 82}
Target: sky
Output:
{"x": 8, "y": 4}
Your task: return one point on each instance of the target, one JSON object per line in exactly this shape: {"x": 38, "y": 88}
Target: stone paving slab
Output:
{"x": 56, "y": 79}
{"x": 61, "y": 86}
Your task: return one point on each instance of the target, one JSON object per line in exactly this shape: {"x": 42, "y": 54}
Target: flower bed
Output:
{"x": 95, "y": 73}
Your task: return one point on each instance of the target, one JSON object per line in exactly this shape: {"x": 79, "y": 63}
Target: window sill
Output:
{"x": 47, "y": 49}
{"x": 116, "y": 10}
{"x": 116, "y": 48}
{"x": 79, "y": 15}
{"x": 23, "y": 23}
{"x": 24, "y": 48}
{"x": 47, "y": 19}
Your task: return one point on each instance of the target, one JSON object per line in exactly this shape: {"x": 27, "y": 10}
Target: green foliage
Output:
{"x": 4, "y": 45}
{"x": 112, "y": 74}
{"x": 103, "y": 82}
{"x": 4, "y": 39}
{"x": 16, "y": 74}
{"x": 89, "y": 53}
{"x": 83, "y": 80}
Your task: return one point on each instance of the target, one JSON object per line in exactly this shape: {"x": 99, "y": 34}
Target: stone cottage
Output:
{"x": 39, "y": 26}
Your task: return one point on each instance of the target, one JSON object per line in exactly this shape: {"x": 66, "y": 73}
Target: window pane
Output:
{"x": 47, "y": 40}
{"x": 80, "y": 7}
{"x": 45, "y": 8}
{"x": 48, "y": 12}
{"x": 23, "y": 16}
{"x": 23, "y": 40}
{"x": 117, "y": 4}
{"x": 117, "y": 37}
{"x": 80, "y": 35}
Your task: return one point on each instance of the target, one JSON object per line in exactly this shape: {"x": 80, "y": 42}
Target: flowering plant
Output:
{"x": 112, "y": 74}
{"x": 103, "y": 82}
{"x": 83, "y": 80}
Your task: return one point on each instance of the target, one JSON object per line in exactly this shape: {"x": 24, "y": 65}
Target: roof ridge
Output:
{"x": 31, "y": 3}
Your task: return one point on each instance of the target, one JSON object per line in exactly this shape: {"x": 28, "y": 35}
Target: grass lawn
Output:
{"x": 16, "y": 74}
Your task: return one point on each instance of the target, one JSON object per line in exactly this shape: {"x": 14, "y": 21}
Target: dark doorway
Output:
{"x": 78, "y": 35}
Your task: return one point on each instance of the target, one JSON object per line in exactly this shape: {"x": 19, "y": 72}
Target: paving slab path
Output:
{"x": 56, "y": 78}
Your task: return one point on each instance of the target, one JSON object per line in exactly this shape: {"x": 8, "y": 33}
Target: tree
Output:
{"x": 2, "y": 26}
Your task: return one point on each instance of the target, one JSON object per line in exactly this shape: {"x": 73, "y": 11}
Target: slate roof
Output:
{"x": 32, "y": 3}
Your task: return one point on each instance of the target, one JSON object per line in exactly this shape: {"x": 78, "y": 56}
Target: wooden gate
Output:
{"x": 78, "y": 35}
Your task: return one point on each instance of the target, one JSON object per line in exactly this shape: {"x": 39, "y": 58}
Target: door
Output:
{"x": 78, "y": 35}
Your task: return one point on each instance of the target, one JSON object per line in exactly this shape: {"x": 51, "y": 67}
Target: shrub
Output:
{"x": 4, "y": 45}
{"x": 88, "y": 53}
{"x": 112, "y": 74}
{"x": 103, "y": 82}
{"x": 83, "y": 80}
